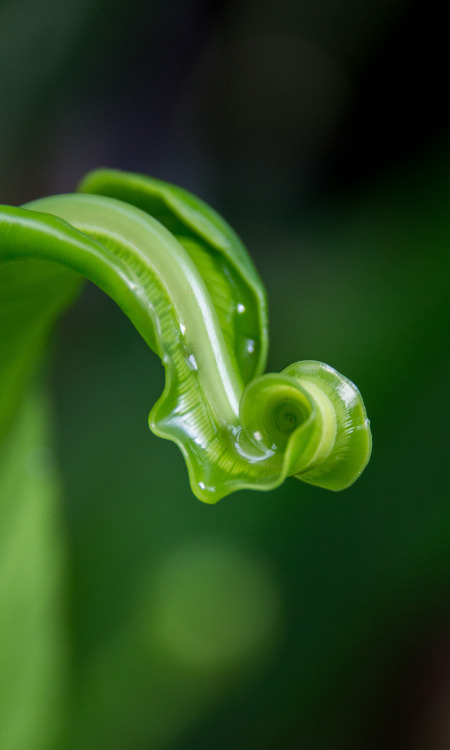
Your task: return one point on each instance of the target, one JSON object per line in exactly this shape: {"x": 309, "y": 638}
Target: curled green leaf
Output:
{"x": 184, "y": 279}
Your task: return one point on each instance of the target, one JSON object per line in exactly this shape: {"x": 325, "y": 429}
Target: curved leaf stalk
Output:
{"x": 184, "y": 279}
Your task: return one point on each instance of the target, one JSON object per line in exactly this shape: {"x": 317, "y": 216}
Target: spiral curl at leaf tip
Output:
{"x": 184, "y": 279}
{"x": 311, "y": 422}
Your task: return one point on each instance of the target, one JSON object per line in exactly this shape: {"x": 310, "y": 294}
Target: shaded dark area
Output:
{"x": 400, "y": 103}
{"x": 320, "y": 131}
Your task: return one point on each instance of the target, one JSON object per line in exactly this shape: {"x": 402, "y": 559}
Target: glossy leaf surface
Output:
{"x": 226, "y": 268}
{"x": 185, "y": 281}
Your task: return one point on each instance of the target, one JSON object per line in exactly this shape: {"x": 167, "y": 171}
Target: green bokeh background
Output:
{"x": 133, "y": 616}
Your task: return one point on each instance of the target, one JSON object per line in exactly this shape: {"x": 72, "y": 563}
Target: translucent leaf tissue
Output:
{"x": 186, "y": 282}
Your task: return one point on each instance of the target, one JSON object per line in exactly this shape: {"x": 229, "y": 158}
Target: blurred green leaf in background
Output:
{"x": 131, "y": 615}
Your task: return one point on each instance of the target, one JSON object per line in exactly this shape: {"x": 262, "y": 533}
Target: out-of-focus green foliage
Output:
{"x": 34, "y": 650}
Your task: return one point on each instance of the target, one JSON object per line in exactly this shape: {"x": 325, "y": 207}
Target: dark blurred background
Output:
{"x": 297, "y": 619}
